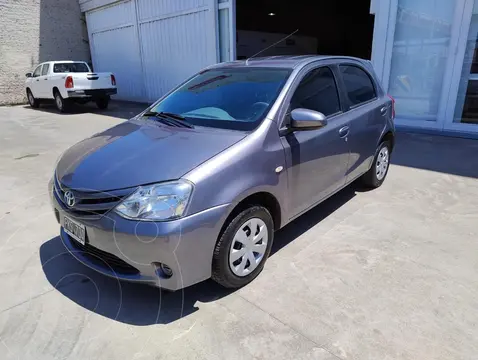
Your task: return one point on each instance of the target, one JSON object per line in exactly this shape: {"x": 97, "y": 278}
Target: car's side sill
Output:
{"x": 323, "y": 199}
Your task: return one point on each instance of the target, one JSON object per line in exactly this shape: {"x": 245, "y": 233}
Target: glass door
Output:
{"x": 425, "y": 36}
{"x": 462, "y": 112}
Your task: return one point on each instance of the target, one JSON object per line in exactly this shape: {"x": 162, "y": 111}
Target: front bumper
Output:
{"x": 94, "y": 93}
{"x": 126, "y": 249}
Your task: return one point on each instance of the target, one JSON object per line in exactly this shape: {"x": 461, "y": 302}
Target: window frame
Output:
{"x": 284, "y": 114}
{"x": 336, "y": 88}
{"x": 39, "y": 74}
{"x": 47, "y": 65}
{"x": 351, "y": 106}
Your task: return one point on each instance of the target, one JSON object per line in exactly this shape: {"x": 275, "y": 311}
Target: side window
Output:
{"x": 317, "y": 91}
{"x": 37, "y": 71}
{"x": 358, "y": 84}
{"x": 45, "y": 69}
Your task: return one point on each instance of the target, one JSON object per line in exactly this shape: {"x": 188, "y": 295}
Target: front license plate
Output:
{"x": 76, "y": 230}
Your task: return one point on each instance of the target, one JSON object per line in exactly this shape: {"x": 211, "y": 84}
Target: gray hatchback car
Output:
{"x": 195, "y": 186}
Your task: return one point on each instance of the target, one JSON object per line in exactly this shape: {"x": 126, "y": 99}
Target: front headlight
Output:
{"x": 159, "y": 202}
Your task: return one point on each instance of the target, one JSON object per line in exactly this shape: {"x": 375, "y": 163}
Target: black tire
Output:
{"x": 371, "y": 178}
{"x": 63, "y": 105}
{"x": 221, "y": 271}
{"x": 103, "y": 103}
{"x": 34, "y": 103}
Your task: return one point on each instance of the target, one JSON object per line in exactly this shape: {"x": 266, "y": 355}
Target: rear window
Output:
{"x": 358, "y": 85}
{"x": 77, "y": 67}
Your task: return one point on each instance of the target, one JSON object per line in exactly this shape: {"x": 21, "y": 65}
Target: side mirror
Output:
{"x": 29, "y": 74}
{"x": 307, "y": 119}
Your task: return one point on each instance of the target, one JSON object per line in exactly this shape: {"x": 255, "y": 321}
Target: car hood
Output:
{"x": 138, "y": 152}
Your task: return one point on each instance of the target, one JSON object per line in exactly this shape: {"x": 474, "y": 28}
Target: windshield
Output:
{"x": 76, "y": 67}
{"x": 228, "y": 98}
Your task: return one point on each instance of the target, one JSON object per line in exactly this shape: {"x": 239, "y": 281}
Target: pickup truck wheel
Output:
{"x": 243, "y": 248}
{"x": 34, "y": 103}
{"x": 61, "y": 104}
{"x": 102, "y": 103}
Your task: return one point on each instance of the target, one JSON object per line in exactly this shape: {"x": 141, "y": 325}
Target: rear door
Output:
{"x": 367, "y": 108}
{"x": 316, "y": 159}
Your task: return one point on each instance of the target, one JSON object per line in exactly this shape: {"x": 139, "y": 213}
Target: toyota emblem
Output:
{"x": 69, "y": 198}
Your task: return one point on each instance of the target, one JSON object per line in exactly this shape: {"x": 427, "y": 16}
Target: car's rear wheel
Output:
{"x": 61, "y": 104}
{"x": 243, "y": 248}
{"x": 102, "y": 103}
{"x": 379, "y": 169}
{"x": 34, "y": 103}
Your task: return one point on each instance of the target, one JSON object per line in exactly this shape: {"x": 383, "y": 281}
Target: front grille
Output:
{"x": 90, "y": 203}
{"x": 105, "y": 259}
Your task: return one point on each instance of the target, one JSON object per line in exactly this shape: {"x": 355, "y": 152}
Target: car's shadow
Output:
{"x": 138, "y": 304}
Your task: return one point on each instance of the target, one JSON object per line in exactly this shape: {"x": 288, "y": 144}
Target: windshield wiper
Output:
{"x": 170, "y": 119}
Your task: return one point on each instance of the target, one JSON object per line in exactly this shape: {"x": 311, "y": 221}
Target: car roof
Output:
{"x": 283, "y": 61}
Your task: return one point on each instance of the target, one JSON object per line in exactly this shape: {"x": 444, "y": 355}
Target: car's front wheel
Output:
{"x": 243, "y": 248}
{"x": 34, "y": 103}
{"x": 379, "y": 169}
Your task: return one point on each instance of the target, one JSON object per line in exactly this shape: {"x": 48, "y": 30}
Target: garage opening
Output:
{"x": 325, "y": 27}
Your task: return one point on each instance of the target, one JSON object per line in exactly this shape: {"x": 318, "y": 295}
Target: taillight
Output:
{"x": 113, "y": 80}
{"x": 69, "y": 82}
{"x": 393, "y": 106}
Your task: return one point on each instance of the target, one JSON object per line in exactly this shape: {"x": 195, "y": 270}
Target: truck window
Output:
{"x": 45, "y": 68}
{"x": 37, "y": 71}
{"x": 75, "y": 67}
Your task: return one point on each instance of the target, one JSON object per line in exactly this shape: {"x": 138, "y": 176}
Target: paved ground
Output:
{"x": 385, "y": 274}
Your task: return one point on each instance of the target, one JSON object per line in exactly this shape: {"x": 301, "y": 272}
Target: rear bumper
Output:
{"x": 128, "y": 250}
{"x": 94, "y": 93}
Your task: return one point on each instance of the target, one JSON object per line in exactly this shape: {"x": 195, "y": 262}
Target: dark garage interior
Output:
{"x": 325, "y": 27}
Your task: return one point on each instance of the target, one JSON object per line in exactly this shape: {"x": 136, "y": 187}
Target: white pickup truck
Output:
{"x": 67, "y": 82}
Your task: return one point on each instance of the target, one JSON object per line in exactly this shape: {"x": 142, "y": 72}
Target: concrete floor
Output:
{"x": 384, "y": 274}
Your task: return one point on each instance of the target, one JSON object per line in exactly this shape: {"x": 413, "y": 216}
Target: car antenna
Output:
{"x": 267, "y": 48}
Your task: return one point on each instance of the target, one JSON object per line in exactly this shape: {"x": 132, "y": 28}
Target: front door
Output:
{"x": 316, "y": 159}
{"x": 35, "y": 82}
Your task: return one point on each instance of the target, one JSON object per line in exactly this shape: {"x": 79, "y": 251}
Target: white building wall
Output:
{"x": 33, "y": 31}
{"x": 114, "y": 48}
{"x": 174, "y": 41}
{"x": 152, "y": 45}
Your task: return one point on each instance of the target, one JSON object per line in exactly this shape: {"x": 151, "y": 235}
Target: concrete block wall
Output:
{"x": 33, "y": 31}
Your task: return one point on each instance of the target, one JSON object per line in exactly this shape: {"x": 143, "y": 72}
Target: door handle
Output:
{"x": 45, "y": 79}
{"x": 343, "y": 132}
{"x": 383, "y": 110}
{"x": 38, "y": 79}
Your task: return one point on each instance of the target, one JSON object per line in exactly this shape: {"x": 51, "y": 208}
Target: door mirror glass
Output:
{"x": 29, "y": 74}
{"x": 307, "y": 119}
